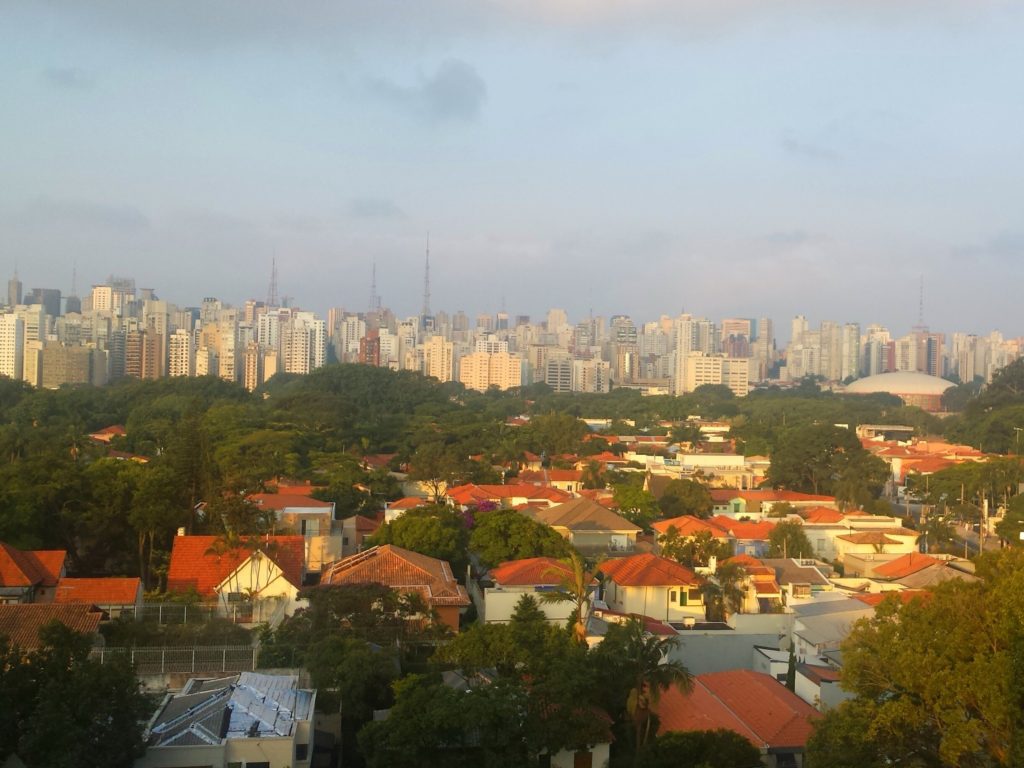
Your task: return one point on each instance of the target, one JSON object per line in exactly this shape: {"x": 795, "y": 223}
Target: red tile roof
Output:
{"x": 752, "y": 704}
{"x": 408, "y": 502}
{"x": 550, "y": 475}
{"x": 745, "y": 560}
{"x": 905, "y": 565}
{"x": 366, "y": 524}
{"x": 531, "y": 571}
{"x": 688, "y": 525}
{"x": 112, "y": 591}
{"x": 873, "y": 537}
{"x": 471, "y": 494}
{"x": 30, "y": 568}
{"x": 279, "y": 501}
{"x": 197, "y": 564}
{"x": 399, "y": 569}
{"x": 740, "y": 529}
{"x": 904, "y": 596}
{"x": 821, "y": 515}
{"x": 21, "y": 622}
{"x": 721, "y": 495}
{"x": 304, "y": 489}
{"x": 647, "y": 571}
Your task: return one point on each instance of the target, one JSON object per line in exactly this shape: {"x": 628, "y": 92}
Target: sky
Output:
{"x": 645, "y": 157}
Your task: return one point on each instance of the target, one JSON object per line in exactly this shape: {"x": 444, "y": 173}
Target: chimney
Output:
{"x": 181, "y": 531}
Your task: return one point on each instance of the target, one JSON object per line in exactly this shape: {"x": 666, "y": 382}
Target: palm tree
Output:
{"x": 575, "y": 588}
{"x": 724, "y": 595}
{"x": 652, "y": 671}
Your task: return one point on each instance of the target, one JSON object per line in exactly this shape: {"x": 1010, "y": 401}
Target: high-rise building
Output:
{"x": 182, "y": 354}
{"x": 438, "y": 358}
{"x": 483, "y": 370}
{"x": 12, "y": 346}
{"x": 14, "y": 291}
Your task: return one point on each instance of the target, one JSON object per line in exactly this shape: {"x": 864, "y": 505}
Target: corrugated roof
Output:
{"x": 197, "y": 562}
{"x": 399, "y": 569}
{"x": 21, "y": 622}
{"x": 647, "y": 571}
{"x": 109, "y": 591}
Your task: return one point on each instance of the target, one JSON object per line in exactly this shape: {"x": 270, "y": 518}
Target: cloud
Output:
{"x": 374, "y": 208}
{"x": 455, "y": 92}
{"x": 68, "y": 78}
{"x": 1006, "y": 248}
{"x": 808, "y": 150}
{"x": 85, "y": 214}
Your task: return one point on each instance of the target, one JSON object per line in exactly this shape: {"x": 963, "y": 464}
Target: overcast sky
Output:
{"x": 726, "y": 157}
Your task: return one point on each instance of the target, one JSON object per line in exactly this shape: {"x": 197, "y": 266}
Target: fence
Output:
{"x": 195, "y": 659}
{"x": 192, "y": 613}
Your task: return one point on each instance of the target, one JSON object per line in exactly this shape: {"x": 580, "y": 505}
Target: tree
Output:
{"x": 576, "y": 588}
{"x": 724, "y": 593}
{"x": 435, "y": 464}
{"x": 435, "y": 531}
{"x": 821, "y": 458}
{"x": 693, "y": 551}
{"x": 638, "y": 668}
{"x": 506, "y": 534}
{"x": 357, "y": 674}
{"x": 636, "y": 505}
{"x": 788, "y": 539}
{"x": 936, "y": 680}
{"x": 699, "y": 749}
{"x": 686, "y": 497}
{"x": 1011, "y": 526}
{"x": 63, "y": 709}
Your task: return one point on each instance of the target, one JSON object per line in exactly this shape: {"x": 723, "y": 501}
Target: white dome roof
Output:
{"x": 900, "y": 383}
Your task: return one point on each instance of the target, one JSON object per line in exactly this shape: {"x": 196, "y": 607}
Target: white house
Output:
{"x": 653, "y": 586}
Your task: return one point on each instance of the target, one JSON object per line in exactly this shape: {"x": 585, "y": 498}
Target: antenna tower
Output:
{"x": 374, "y": 298}
{"x": 74, "y": 279}
{"x": 426, "y": 283}
{"x": 920, "y": 307}
{"x": 272, "y": 290}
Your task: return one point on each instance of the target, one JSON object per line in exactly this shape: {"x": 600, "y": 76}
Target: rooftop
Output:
{"x": 647, "y": 570}
{"x": 21, "y": 622}
{"x": 399, "y": 569}
{"x": 201, "y": 563}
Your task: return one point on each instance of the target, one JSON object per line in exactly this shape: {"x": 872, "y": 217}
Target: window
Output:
{"x": 822, "y": 544}
{"x": 673, "y": 596}
{"x": 694, "y": 596}
{"x": 301, "y": 751}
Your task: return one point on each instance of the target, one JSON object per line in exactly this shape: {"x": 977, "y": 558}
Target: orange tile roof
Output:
{"x": 531, "y": 571}
{"x": 304, "y": 489}
{"x": 747, "y": 561}
{"x": 909, "y": 563}
{"x": 647, "y": 570}
{"x": 30, "y": 568}
{"x": 821, "y": 515}
{"x": 688, "y": 525}
{"x": 279, "y": 501}
{"x": 408, "y": 502}
{"x": 878, "y": 537}
{"x": 470, "y": 493}
{"x": 904, "y": 596}
{"x": 549, "y": 475}
{"x": 111, "y": 591}
{"x": 752, "y": 704}
{"x": 21, "y": 622}
{"x": 366, "y": 524}
{"x": 399, "y": 569}
{"x": 739, "y": 529}
{"x": 196, "y": 564}
{"x": 728, "y": 494}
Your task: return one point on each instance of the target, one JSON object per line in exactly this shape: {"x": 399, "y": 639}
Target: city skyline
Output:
{"x": 721, "y": 158}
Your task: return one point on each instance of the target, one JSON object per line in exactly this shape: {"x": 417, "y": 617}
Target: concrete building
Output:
{"x": 182, "y": 354}
{"x": 438, "y": 358}
{"x": 248, "y": 719}
{"x": 483, "y": 370}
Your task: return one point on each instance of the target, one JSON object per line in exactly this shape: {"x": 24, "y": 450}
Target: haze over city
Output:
{"x": 643, "y": 158}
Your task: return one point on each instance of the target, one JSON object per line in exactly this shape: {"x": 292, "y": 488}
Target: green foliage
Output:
{"x": 699, "y": 749}
{"x": 828, "y": 460}
{"x": 693, "y": 551}
{"x": 436, "y": 531}
{"x": 506, "y": 534}
{"x": 126, "y": 632}
{"x": 936, "y": 680}
{"x": 62, "y": 709}
{"x": 788, "y": 539}
{"x": 635, "y": 504}
{"x": 351, "y": 673}
{"x": 1011, "y": 526}
{"x": 686, "y": 497}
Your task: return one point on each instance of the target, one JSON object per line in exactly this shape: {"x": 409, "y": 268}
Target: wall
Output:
{"x": 718, "y": 650}
{"x": 501, "y": 602}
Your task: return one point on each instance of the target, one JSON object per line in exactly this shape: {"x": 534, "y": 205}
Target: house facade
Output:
{"x": 653, "y": 586}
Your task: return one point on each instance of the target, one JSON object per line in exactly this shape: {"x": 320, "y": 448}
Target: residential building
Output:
{"x": 653, "y": 586}
{"x": 250, "y": 719}
{"x": 534, "y": 576}
{"x": 483, "y": 370}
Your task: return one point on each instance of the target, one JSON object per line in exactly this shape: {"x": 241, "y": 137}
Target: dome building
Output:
{"x": 911, "y": 387}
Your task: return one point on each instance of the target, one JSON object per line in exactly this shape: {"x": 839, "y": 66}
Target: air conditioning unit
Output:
{"x": 689, "y": 622}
